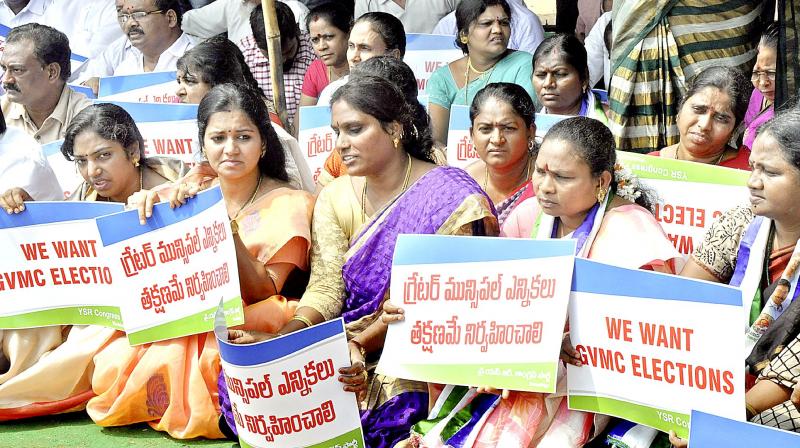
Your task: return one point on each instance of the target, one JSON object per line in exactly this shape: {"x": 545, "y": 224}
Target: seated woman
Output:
{"x": 751, "y": 247}
{"x": 392, "y": 187}
{"x": 372, "y": 34}
{"x": 561, "y": 79}
{"x": 580, "y": 193}
{"x": 48, "y": 370}
{"x": 172, "y": 384}
{"x": 760, "y": 109}
{"x": 403, "y": 77}
{"x": 484, "y": 27}
{"x": 218, "y": 61}
{"x": 710, "y": 112}
{"x": 328, "y": 27}
{"x": 502, "y": 128}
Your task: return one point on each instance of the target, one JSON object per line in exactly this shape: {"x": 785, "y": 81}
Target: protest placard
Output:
{"x": 460, "y": 151}
{"x": 316, "y": 137}
{"x": 478, "y": 310}
{"x": 285, "y": 392}
{"x": 691, "y": 195}
{"x": 654, "y": 346}
{"x": 427, "y": 52}
{"x": 176, "y": 267}
{"x": 52, "y": 271}
{"x": 168, "y": 130}
{"x": 153, "y": 87}
{"x": 712, "y": 431}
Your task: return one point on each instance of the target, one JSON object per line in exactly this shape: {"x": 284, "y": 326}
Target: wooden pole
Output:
{"x": 275, "y": 61}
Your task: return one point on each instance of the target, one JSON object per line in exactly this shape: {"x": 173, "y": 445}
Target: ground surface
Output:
{"x": 77, "y": 430}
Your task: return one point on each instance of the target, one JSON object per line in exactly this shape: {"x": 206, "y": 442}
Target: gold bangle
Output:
{"x": 303, "y": 319}
{"x": 751, "y": 411}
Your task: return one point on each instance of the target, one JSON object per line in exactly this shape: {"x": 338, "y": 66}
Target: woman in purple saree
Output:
{"x": 392, "y": 187}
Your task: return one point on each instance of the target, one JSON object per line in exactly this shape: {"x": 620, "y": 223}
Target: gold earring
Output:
{"x": 136, "y": 164}
{"x": 463, "y": 39}
{"x": 396, "y": 143}
{"x": 601, "y": 195}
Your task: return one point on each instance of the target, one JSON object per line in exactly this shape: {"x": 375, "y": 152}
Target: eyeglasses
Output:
{"x": 138, "y": 15}
{"x": 768, "y": 74}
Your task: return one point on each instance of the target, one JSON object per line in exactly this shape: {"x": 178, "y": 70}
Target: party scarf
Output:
{"x": 747, "y": 276}
{"x": 546, "y": 227}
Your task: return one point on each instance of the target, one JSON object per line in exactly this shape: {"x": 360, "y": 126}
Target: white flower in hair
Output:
{"x": 627, "y": 183}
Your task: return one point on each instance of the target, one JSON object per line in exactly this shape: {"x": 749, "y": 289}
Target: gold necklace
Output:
{"x": 249, "y": 201}
{"x": 719, "y": 159}
{"x": 486, "y": 175}
{"x": 364, "y": 190}
{"x": 487, "y": 72}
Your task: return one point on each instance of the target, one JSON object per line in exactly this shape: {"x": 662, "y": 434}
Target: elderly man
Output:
{"x": 153, "y": 41}
{"x": 37, "y": 99}
{"x": 297, "y": 55}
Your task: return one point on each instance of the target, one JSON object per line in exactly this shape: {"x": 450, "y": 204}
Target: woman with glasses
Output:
{"x": 761, "y": 107}
{"x": 709, "y": 114}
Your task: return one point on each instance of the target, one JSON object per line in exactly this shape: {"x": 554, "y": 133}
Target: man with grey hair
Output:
{"x": 36, "y": 62}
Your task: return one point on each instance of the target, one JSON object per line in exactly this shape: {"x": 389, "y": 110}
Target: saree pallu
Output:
{"x": 173, "y": 385}
{"x": 757, "y": 114}
{"x": 445, "y": 201}
{"x": 510, "y": 203}
{"x": 659, "y": 45}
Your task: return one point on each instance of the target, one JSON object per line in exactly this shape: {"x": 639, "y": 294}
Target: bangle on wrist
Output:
{"x": 304, "y": 320}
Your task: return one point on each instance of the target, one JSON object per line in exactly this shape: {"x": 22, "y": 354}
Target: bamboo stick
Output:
{"x": 275, "y": 61}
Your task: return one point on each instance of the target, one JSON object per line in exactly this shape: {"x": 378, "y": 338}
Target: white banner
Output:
{"x": 285, "y": 392}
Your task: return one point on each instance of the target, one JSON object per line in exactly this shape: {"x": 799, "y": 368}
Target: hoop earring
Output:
{"x": 601, "y": 195}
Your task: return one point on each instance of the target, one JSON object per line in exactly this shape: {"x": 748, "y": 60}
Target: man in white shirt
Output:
{"x": 526, "y": 28}
{"x": 232, "y": 17}
{"x": 598, "y": 57}
{"x": 22, "y": 165}
{"x": 153, "y": 41}
{"x": 19, "y": 12}
{"x": 417, "y": 16}
{"x": 90, "y": 25}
